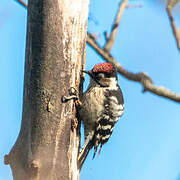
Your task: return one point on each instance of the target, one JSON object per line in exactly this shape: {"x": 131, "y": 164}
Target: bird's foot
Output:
{"x": 73, "y": 94}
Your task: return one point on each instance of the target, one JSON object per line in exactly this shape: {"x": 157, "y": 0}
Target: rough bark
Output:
{"x": 47, "y": 146}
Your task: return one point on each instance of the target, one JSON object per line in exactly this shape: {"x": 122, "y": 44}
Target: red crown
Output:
{"x": 103, "y": 67}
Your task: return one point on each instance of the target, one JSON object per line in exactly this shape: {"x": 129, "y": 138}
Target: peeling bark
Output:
{"x": 47, "y": 146}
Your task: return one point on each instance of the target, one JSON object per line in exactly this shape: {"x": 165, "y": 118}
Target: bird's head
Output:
{"x": 104, "y": 74}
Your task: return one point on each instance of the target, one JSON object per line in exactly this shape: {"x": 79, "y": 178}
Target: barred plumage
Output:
{"x": 102, "y": 105}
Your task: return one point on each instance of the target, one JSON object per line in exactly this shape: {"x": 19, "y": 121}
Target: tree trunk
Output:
{"x": 48, "y": 145}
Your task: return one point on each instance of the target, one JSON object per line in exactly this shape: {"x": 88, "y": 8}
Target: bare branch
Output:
{"x": 110, "y": 41}
{"x": 141, "y": 77}
{"x": 134, "y": 6}
{"x": 22, "y": 3}
{"x": 106, "y": 35}
{"x": 172, "y": 3}
{"x": 176, "y": 32}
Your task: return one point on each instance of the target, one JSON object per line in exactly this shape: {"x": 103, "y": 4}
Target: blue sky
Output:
{"x": 145, "y": 143}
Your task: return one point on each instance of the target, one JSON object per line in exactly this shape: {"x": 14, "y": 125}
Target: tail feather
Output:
{"x": 96, "y": 147}
{"x": 99, "y": 151}
{"x": 85, "y": 150}
{"x": 95, "y": 150}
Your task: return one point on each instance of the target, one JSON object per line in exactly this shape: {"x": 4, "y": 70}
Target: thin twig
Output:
{"x": 142, "y": 78}
{"x": 110, "y": 41}
{"x": 173, "y": 25}
{"x": 22, "y": 3}
{"x": 134, "y": 6}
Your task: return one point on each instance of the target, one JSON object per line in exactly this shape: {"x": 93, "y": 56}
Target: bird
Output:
{"x": 101, "y": 106}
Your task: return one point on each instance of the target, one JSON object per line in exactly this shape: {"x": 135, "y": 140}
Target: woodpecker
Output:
{"x": 102, "y": 105}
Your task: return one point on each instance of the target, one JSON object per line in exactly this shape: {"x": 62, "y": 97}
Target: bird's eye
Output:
{"x": 100, "y": 75}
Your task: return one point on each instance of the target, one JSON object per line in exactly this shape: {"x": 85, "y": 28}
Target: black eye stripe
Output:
{"x": 106, "y": 75}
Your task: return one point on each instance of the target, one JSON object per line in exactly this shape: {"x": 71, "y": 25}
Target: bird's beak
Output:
{"x": 88, "y": 72}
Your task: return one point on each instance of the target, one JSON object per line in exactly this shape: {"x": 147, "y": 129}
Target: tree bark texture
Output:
{"x": 47, "y": 146}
